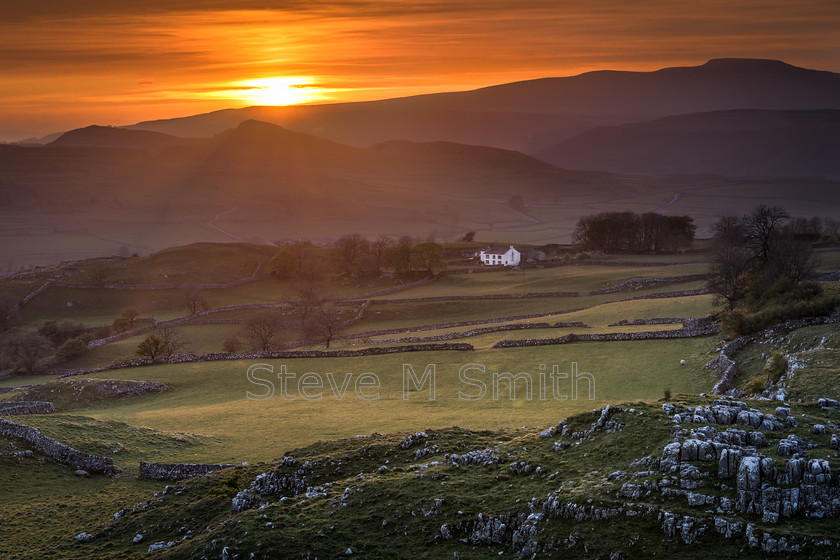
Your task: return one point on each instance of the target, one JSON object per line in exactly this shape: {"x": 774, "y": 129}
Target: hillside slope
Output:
{"x": 621, "y": 482}
{"x": 734, "y": 143}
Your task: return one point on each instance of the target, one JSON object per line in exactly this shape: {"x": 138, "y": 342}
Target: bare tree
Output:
{"x": 126, "y": 319}
{"x": 729, "y": 231}
{"x": 153, "y": 347}
{"x": 398, "y": 258}
{"x": 262, "y": 330}
{"x": 428, "y": 258}
{"x": 793, "y": 257}
{"x": 730, "y": 267}
{"x": 350, "y": 249}
{"x": 302, "y": 251}
{"x": 378, "y": 247}
{"x": 194, "y": 300}
{"x": 23, "y": 350}
{"x": 761, "y": 227}
{"x": 309, "y": 291}
{"x": 323, "y": 325}
{"x": 100, "y": 274}
{"x": 165, "y": 342}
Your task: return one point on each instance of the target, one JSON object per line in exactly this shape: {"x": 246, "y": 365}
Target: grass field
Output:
{"x": 209, "y": 399}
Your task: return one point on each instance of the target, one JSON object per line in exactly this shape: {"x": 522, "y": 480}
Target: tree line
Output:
{"x": 629, "y": 232}
{"x": 355, "y": 256}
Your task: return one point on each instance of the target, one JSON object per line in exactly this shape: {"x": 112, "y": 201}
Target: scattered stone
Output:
{"x": 828, "y": 403}
{"x": 483, "y": 457}
{"x": 160, "y": 545}
{"x": 82, "y": 473}
{"x": 137, "y": 538}
{"x": 84, "y": 537}
{"x": 616, "y": 476}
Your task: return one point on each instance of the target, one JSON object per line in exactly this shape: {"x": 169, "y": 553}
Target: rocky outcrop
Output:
{"x": 273, "y": 483}
{"x": 478, "y": 457}
{"x": 805, "y": 487}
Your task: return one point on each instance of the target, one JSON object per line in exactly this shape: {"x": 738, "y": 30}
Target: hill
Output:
{"x": 533, "y": 115}
{"x": 733, "y": 143}
{"x": 112, "y": 137}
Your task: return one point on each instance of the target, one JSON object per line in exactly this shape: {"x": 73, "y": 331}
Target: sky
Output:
{"x": 66, "y": 64}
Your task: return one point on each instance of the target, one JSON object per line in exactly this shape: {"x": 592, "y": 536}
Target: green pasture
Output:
{"x": 203, "y": 339}
{"x": 487, "y": 340}
{"x": 571, "y": 278}
{"x": 828, "y": 260}
{"x": 209, "y": 400}
{"x": 43, "y": 506}
{"x": 395, "y": 314}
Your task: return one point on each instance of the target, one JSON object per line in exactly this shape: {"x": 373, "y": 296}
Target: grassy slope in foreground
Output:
{"x": 398, "y": 511}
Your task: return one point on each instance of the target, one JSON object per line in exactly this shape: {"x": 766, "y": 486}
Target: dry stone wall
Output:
{"x": 177, "y": 471}
{"x": 691, "y": 328}
{"x": 58, "y": 451}
{"x": 18, "y": 408}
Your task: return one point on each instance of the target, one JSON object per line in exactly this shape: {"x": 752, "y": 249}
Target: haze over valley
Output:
{"x": 700, "y": 140}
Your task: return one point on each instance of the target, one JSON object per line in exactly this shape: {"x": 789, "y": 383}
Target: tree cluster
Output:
{"x": 161, "y": 344}
{"x": 629, "y": 232}
{"x": 760, "y": 266}
{"x": 23, "y": 350}
{"x": 354, "y": 256}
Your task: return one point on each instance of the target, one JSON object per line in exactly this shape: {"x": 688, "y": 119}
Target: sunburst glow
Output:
{"x": 278, "y": 91}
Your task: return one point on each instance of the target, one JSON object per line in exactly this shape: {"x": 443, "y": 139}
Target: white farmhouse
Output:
{"x": 500, "y": 257}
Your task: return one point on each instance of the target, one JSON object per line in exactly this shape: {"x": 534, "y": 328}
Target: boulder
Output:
{"x": 728, "y": 463}
{"x": 748, "y": 484}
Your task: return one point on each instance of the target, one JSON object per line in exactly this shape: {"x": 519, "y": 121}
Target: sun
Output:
{"x": 277, "y": 91}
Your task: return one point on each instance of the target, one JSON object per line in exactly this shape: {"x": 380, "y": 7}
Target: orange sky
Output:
{"x": 69, "y": 64}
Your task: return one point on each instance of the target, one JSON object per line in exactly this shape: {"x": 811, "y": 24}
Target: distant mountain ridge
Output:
{"x": 532, "y": 116}
{"x": 744, "y": 142}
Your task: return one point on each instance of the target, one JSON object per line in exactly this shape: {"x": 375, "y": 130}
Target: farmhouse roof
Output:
{"x": 497, "y": 250}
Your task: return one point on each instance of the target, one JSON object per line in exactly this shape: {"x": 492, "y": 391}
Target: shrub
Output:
{"x": 756, "y": 385}
{"x": 776, "y": 367}
{"x": 781, "y": 302}
{"x": 72, "y": 348}
{"x": 232, "y": 345}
